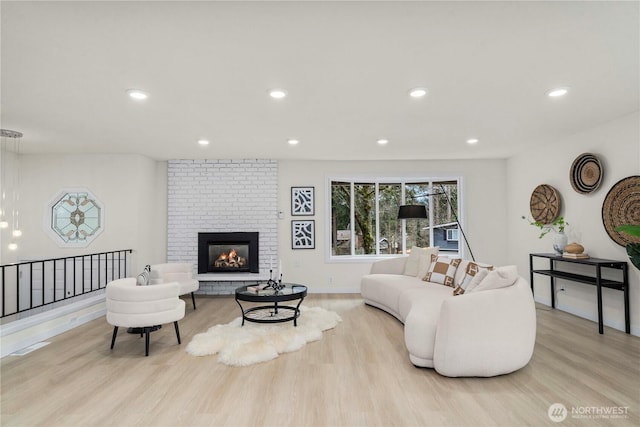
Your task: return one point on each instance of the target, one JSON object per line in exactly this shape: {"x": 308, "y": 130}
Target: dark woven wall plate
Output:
{"x": 544, "y": 204}
{"x": 622, "y": 206}
{"x": 586, "y": 173}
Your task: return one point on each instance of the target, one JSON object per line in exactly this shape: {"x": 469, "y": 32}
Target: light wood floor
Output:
{"x": 359, "y": 374}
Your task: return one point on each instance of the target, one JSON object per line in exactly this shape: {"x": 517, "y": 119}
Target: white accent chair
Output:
{"x": 143, "y": 307}
{"x": 176, "y": 272}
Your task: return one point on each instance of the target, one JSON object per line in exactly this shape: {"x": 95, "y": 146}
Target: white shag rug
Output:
{"x": 238, "y": 345}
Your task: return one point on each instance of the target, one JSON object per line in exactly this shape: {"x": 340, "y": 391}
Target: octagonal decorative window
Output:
{"x": 75, "y": 218}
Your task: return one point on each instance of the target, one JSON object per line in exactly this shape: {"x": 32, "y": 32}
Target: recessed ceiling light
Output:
{"x": 472, "y": 140}
{"x": 417, "y": 92}
{"x": 137, "y": 94}
{"x": 203, "y": 142}
{"x": 383, "y": 141}
{"x": 12, "y": 246}
{"x": 559, "y": 91}
{"x": 277, "y": 93}
{"x": 293, "y": 141}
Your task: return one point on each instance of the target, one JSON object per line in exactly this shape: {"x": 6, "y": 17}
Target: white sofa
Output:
{"x": 480, "y": 334}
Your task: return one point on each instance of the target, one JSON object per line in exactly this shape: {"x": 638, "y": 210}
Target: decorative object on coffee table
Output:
{"x": 622, "y": 206}
{"x": 545, "y": 204}
{"x": 302, "y": 201}
{"x": 276, "y": 285}
{"x": 586, "y": 173}
{"x": 303, "y": 234}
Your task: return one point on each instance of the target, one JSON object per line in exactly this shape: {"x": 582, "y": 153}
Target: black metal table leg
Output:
{"x": 297, "y": 313}
{"x": 241, "y": 310}
{"x": 599, "y": 293}
{"x": 531, "y": 273}
{"x": 627, "y": 319}
{"x": 553, "y": 286}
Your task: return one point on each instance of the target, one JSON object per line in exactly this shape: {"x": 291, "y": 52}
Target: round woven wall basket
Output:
{"x": 545, "y": 204}
{"x": 586, "y": 173}
{"x": 622, "y": 206}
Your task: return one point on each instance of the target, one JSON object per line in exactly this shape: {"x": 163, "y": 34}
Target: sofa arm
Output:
{"x": 389, "y": 266}
{"x": 486, "y": 333}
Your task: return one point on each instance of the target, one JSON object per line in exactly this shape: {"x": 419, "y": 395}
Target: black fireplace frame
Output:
{"x": 250, "y": 238}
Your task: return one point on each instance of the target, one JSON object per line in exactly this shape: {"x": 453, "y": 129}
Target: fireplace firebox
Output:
{"x": 235, "y": 252}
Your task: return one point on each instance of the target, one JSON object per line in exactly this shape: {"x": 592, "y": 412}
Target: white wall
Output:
{"x": 617, "y": 145}
{"x": 131, "y": 187}
{"x": 484, "y": 200}
{"x": 9, "y": 164}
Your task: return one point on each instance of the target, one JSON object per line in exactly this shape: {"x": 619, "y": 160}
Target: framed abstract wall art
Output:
{"x": 302, "y": 201}
{"x": 303, "y": 234}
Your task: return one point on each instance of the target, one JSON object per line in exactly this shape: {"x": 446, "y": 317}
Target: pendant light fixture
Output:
{"x": 13, "y": 138}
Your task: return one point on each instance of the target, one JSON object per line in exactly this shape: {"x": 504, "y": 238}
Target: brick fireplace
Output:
{"x": 222, "y": 196}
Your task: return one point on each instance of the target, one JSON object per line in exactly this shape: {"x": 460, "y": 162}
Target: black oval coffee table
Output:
{"x": 274, "y": 312}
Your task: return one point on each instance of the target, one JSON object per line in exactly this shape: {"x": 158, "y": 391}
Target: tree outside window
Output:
{"x": 372, "y": 208}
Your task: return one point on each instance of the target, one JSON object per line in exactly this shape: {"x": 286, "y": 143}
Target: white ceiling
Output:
{"x": 347, "y": 67}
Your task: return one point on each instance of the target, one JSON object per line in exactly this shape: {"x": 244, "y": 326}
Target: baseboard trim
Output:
{"x": 316, "y": 290}
{"x": 588, "y": 315}
{"x": 25, "y": 332}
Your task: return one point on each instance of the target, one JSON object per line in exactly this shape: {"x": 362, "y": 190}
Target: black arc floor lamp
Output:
{"x": 420, "y": 212}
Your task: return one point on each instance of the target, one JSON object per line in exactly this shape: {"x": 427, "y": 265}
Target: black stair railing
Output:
{"x": 32, "y": 284}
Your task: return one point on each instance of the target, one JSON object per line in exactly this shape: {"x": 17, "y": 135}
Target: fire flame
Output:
{"x": 230, "y": 259}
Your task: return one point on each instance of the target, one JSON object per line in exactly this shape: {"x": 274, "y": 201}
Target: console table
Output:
{"x": 596, "y": 280}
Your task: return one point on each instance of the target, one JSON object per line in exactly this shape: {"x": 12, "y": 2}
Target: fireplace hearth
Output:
{"x": 235, "y": 252}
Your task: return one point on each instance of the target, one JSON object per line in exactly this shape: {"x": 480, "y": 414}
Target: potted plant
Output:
{"x": 557, "y": 226}
{"x": 633, "y": 249}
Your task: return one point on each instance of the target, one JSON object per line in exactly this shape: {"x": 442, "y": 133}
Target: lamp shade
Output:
{"x": 412, "y": 211}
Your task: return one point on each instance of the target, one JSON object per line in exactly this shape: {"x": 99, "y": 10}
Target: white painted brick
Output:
{"x": 221, "y": 195}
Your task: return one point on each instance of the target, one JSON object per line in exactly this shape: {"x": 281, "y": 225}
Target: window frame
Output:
{"x": 452, "y": 239}
{"x": 377, "y": 181}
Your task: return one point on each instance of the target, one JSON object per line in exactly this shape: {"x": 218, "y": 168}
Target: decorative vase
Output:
{"x": 559, "y": 242}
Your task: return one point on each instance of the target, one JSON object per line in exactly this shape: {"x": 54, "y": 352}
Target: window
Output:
{"x": 364, "y": 216}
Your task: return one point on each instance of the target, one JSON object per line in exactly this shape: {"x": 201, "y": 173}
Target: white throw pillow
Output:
{"x": 501, "y": 277}
{"x": 425, "y": 260}
{"x": 411, "y": 267}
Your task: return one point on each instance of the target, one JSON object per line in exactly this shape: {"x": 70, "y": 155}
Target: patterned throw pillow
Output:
{"x": 470, "y": 273}
{"x": 143, "y": 278}
{"x": 442, "y": 270}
